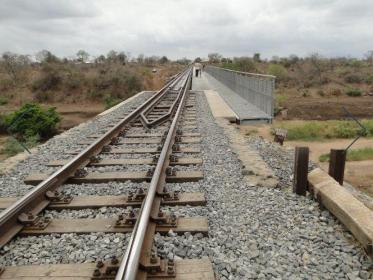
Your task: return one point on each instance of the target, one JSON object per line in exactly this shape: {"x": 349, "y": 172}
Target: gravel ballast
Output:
{"x": 262, "y": 233}
{"x": 56, "y": 148}
{"x": 254, "y": 232}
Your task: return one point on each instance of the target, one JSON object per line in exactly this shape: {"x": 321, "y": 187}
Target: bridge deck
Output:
{"x": 245, "y": 111}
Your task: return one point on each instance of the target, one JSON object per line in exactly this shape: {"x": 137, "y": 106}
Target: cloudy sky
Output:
{"x": 188, "y": 28}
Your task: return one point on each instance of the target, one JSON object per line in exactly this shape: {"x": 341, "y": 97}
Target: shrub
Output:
{"x": 118, "y": 84}
{"x": 31, "y": 120}
{"x": 2, "y": 124}
{"x": 6, "y": 84}
{"x": 50, "y": 80}
{"x": 345, "y": 129}
{"x": 369, "y": 80}
{"x": 3, "y": 100}
{"x": 74, "y": 82}
{"x": 335, "y": 92}
{"x": 354, "y": 92}
{"x": 353, "y": 78}
{"x": 43, "y": 96}
{"x": 278, "y": 70}
{"x": 74, "y": 78}
{"x": 280, "y": 99}
{"x": 243, "y": 64}
{"x": 111, "y": 101}
{"x": 321, "y": 92}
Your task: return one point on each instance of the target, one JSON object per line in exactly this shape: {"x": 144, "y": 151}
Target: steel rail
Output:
{"x": 130, "y": 262}
{"x": 160, "y": 119}
{"x": 35, "y": 200}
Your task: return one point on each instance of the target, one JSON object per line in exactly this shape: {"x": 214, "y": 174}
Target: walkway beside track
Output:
{"x": 245, "y": 111}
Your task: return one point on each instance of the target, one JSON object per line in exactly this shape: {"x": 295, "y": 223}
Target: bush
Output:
{"x": 118, "y": 84}
{"x": 2, "y": 124}
{"x": 321, "y": 92}
{"x": 6, "y": 84}
{"x": 3, "y": 100}
{"x": 74, "y": 82}
{"x": 33, "y": 120}
{"x": 111, "y": 101}
{"x": 354, "y": 92}
{"x": 345, "y": 129}
{"x": 280, "y": 99}
{"x": 369, "y": 80}
{"x": 353, "y": 78}
{"x": 335, "y": 92}
{"x": 50, "y": 80}
{"x": 43, "y": 96}
{"x": 278, "y": 70}
{"x": 243, "y": 64}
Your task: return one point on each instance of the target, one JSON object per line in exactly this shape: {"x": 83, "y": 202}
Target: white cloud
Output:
{"x": 189, "y": 28}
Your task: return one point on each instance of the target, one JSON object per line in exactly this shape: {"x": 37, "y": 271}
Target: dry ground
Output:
{"x": 328, "y": 108}
{"x": 358, "y": 173}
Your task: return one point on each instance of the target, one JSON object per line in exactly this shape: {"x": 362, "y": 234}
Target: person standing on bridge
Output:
{"x": 198, "y": 69}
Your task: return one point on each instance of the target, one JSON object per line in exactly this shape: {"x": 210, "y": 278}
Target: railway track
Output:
{"x": 157, "y": 143}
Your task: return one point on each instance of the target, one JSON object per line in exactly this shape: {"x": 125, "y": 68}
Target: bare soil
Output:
{"x": 327, "y": 108}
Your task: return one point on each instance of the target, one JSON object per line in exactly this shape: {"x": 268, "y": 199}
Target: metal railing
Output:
{"x": 257, "y": 89}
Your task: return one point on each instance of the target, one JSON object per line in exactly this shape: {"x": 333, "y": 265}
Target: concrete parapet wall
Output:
{"x": 357, "y": 218}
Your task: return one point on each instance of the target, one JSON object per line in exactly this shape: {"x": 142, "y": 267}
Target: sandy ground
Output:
{"x": 74, "y": 114}
{"x": 357, "y": 173}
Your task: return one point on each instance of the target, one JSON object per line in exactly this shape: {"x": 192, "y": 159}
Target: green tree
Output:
{"x": 100, "y": 59}
{"x": 256, "y": 57}
{"x": 45, "y": 56}
{"x": 82, "y": 56}
{"x": 121, "y": 58}
{"x": 112, "y": 56}
{"x": 163, "y": 60}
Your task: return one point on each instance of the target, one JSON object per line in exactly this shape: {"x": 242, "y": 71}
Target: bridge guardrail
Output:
{"x": 258, "y": 89}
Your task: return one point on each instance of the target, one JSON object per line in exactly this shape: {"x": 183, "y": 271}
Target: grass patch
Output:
{"x": 353, "y": 155}
{"x": 319, "y": 130}
{"x": 111, "y": 101}
{"x": 354, "y": 92}
{"x": 12, "y": 146}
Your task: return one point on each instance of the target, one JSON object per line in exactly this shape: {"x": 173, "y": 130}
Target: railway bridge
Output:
{"x": 162, "y": 186}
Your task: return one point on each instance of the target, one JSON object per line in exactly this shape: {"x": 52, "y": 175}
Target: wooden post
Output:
{"x": 337, "y": 165}
{"x": 300, "y": 182}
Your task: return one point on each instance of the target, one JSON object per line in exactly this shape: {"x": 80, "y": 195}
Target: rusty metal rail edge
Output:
{"x": 35, "y": 200}
{"x": 129, "y": 266}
